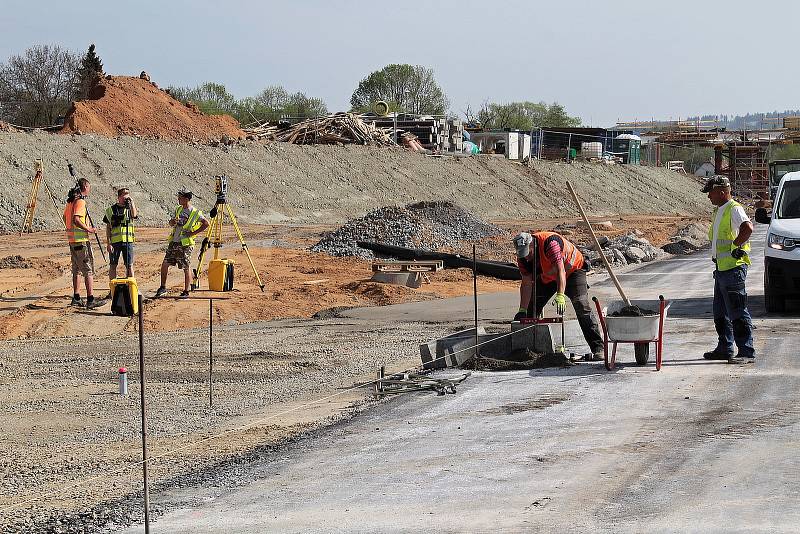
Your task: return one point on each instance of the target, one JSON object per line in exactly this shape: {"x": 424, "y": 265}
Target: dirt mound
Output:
{"x": 123, "y": 105}
{"x": 519, "y": 360}
{"x": 425, "y": 225}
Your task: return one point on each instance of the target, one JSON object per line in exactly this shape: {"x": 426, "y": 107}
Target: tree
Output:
{"x": 37, "y": 87}
{"x": 91, "y": 68}
{"x": 211, "y": 98}
{"x": 406, "y": 88}
{"x": 522, "y": 116}
{"x": 300, "y": 105}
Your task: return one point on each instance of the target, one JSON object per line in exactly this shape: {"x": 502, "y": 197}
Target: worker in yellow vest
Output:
{"x": 120, "y": 232}
{"x": 730, "y": 251}
{"x": 187, "y": 222}
{"x": 80, "y": 250}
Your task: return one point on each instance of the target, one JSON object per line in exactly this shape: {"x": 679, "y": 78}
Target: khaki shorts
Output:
{"x": 82, "y": 259}
{"x": 178, "y": 255}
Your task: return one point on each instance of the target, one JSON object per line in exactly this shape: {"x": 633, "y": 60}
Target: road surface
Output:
{"x": 700, "y": 446}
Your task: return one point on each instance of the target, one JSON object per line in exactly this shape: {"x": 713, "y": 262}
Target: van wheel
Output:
{"x": 773, "y": 302}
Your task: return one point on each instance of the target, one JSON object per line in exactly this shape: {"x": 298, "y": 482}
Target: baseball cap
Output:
{"x": 715, "y": 181}
{"x": 185, "y": 193}
{"x": 522, "y": 242}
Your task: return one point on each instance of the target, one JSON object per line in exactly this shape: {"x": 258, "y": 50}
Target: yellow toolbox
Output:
{"x": 220, "y": 275}
{"x": 124, "y": 296}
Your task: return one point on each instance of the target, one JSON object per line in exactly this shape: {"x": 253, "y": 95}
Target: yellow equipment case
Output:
{"x": 124, "y": 297}
{"x": 220, "y": 275}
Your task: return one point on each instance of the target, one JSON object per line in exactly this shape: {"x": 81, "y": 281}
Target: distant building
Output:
{"x": 706, "y": 169}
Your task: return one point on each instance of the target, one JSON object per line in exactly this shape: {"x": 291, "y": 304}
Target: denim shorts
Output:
{"x": 123, "y": 249}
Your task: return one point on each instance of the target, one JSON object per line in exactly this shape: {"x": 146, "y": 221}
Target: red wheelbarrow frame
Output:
{"x": 659, "y": 341}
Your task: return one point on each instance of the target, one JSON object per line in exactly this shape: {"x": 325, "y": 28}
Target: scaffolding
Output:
{"x": 747, "y": 169}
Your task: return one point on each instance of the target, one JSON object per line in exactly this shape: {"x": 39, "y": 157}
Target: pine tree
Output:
{"x": 91, "y": 68}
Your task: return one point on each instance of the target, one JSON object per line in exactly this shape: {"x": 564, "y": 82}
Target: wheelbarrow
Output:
{"x": 640, "y": 331}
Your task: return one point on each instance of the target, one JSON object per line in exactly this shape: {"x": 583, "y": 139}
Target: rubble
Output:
{"x": 425, "y": 225}
{"x": 688, "y": 239}
{"x": 622, "y": 250}
{"x": 339, "y": 128}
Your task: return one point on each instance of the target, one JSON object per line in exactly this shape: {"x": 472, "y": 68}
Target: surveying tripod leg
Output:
{"x": 244, "y": 245}
{"x": 204, "y": 246}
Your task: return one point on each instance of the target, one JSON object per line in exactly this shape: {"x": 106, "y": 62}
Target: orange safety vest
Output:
{"x": 572, "y": 257}
{"x": 74, "y": 234}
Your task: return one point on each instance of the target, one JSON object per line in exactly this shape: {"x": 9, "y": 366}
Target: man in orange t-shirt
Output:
{"x": 80, "y": 249}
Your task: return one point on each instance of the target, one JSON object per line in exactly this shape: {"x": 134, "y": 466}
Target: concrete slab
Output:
{"x": 539, "y": 338}
{"x": 450, "y": 351}
{"x": 399, "y": 279}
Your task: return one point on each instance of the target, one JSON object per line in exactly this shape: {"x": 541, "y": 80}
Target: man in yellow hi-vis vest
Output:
{"x": 187, "y": 222}
{"x": 730, "y": 251}
{"x": 120, "y": 232}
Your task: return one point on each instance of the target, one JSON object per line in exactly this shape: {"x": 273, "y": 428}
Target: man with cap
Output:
{"x": 560, "y": 269}
{"x": 730, "y": 251}
{"x": 186, "y": 224}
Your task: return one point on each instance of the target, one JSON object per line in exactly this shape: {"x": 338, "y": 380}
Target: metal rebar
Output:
{"x": 144, "y": 419}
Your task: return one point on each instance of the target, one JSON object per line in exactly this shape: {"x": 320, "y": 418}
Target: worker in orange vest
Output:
{"x": 80, "y": 250}
{"x": 561, "y": 271}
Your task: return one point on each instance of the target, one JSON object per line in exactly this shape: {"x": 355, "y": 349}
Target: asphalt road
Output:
{"x": 699, "y": 446}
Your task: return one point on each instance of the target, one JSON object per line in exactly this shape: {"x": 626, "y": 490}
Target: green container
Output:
{"x": 573, "y": 153}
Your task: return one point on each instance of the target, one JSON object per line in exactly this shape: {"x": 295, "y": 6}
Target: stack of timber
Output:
{"x": 437, "y": 135}
{"x": 339, "y": 128}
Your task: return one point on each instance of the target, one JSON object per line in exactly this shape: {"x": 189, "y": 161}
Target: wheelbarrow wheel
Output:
{"x": 642, "y": 353}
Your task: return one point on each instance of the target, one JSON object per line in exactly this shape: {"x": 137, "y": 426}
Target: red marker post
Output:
{"x": 123, "y": 381}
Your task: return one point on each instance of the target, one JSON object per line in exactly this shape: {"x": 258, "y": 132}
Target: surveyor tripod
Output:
{"x": 214, "y": 232}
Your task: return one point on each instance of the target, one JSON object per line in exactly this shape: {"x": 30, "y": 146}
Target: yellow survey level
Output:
{"x": 220, "y": 275}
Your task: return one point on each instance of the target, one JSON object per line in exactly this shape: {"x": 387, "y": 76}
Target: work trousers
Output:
{"x": 731, "y": 317}
{"x": 577, "y": 290}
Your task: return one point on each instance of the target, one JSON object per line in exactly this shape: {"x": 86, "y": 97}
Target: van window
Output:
{"x": 789, "y": 204}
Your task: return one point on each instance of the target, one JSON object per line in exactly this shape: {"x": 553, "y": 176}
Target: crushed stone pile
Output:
{"x": 425, "y": 225}
{"x": 622, "y": 250}
{"x": 123, "y": 105}
{"x": 15, "y": 262}
{"x": 688, "y": 239}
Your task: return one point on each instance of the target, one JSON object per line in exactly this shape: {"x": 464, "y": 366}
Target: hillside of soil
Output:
{"x": 285, "y": 183}
{"x": 123, "y": 105}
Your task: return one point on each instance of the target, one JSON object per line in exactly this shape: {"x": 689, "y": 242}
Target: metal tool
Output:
{"x": 214, "y": 232}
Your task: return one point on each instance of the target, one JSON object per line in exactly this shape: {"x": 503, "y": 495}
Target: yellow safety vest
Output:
{"x": 125, "y": 232}
{"x": 725, "y": 236}
{"x": 191, "y": 225}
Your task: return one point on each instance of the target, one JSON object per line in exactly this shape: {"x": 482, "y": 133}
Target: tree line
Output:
{"x": 37, "y": 87}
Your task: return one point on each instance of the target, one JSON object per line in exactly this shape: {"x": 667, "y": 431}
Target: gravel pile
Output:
{"x": 688, "y": 239}
{"x": 15, "y": 262}
{"x": 425, "y": 225}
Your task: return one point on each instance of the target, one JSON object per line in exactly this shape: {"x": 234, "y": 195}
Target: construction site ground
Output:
{"x": 66, "y": 425}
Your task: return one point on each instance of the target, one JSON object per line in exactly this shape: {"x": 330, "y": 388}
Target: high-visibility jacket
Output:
{"x": 547, "y": 270}
{"x": 76, "y": 235}
{"x": 191, "y": 225}
{"x": 125, "y": 231}
{"x": 725, "y": 237}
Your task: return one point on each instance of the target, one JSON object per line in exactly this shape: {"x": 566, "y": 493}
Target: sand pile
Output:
{"x": 123, "y": 105}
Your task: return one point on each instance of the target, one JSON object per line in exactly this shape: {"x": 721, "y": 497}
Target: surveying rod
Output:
{"x": 89, "y": 217}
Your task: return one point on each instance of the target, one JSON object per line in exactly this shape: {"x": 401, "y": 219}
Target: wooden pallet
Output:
{"x": 421, "y": 266}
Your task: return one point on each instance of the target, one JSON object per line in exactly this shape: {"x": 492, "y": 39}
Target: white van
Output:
{"x": 782, "y": 250}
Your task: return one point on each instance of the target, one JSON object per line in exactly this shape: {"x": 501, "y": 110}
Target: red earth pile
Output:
{"x": 123, "y": 105}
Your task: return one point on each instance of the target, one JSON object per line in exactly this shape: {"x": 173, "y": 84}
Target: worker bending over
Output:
{"x": 561, "y": 270}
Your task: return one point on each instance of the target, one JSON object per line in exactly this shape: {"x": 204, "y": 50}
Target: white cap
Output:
{"x": 522, "y": 242}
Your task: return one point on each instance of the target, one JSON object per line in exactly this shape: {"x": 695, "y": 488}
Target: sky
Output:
{"x": 605, "y": 61}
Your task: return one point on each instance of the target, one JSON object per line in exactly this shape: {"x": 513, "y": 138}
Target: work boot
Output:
{"x": 76, "y": 301}
{"x": 92, "y": 303}
{"x": 717, "y": 355}
{"x": 160, "y": 291}
{"x": 737, "y": 360}
{"x": 184, "y": 295}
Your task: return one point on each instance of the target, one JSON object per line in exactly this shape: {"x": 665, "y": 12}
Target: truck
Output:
{"x": 782, "y": 249}
{"x": 777, "y": 169}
